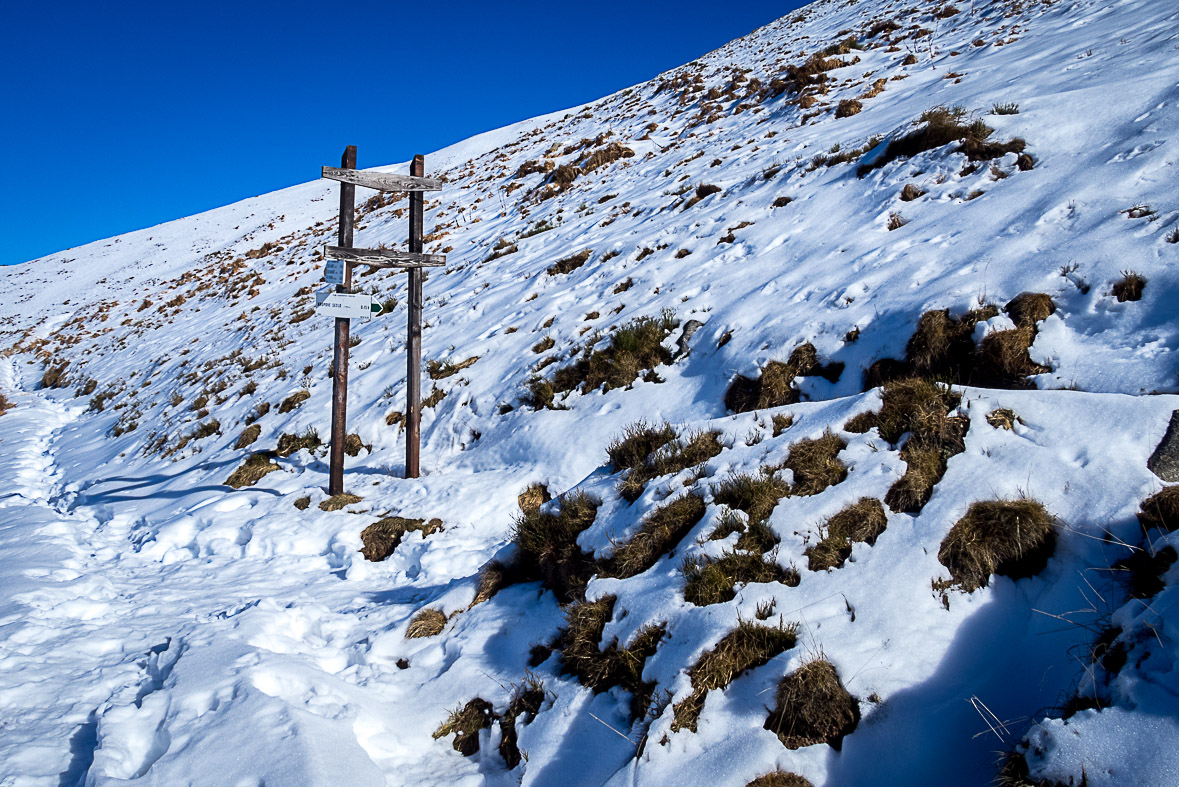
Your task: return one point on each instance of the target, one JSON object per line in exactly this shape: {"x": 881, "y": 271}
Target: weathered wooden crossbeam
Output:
{"x": 384, "y": 258}
{"x": 382, "y": 181}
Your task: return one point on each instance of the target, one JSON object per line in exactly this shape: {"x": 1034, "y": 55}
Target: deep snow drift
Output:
{"x": 159, "y": 626}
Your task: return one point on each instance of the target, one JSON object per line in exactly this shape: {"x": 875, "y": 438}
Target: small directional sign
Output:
{"x": 385, "y": 258}
{"x": 333, "y": 272}
{"x": 345, "y": 305}
{"x": 382, "y": 181}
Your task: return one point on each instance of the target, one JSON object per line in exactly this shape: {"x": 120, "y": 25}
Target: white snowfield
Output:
{"x": 160, "y": 627}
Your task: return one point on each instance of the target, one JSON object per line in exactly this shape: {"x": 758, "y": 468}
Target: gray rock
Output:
{"x": 689, "y": 329}
{"x": 1164, "y": 462}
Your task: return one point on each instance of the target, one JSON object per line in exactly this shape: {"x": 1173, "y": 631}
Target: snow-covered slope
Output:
{"x": 159, "y": 626}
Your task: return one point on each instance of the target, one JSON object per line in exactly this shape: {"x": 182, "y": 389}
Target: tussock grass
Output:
{"x": 1011, "y": 538}
{"x": 382, "y": 537}
{"x": 1161, "y": 510}
{"x": 943, "y": 346}
{"x": 1029, "y": 308}
{"x": 861, "y": 522}
{"x": 1002, "y": 359}
{"x": 660, "y": 533}
{"x": 1002, "y": 418}
{"x": 746, "y": 647}
{"x": 813, "y": 707}
{"x": 779, "y": 779}
{"x": 252, "y": 470}
{"x": 570, "y": 263}
{"x": 55, "y": 376}
{"x": 465, "y": 723}
{"x": 337, "y": 502}
{"x": 440, "y": 370}
{"x": 638, "y": 441}
{"x": 755, "y": 494}
{"x": 1129, "y": 287}
{"x": 248, "y": 437}
{"x": 533, "y": 497}
{"x": 548, "y": 545}
{"x": 293, "y": 401}
{"x": 774, "y": 386}
{"x": 427, "y": 623}
{"x": 290, "y": 443}
{"x": 650, "y": 451}
{"x": 634, "y": 348}
{"x": 601, "y": 668}
{"x": 527, "y": 699}
{"x": 942, "y": 126}
{"x": 714, "y": 580}
{"x": 816, "y": 464}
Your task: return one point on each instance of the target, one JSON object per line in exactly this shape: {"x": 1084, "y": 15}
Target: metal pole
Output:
{"x": 413, "y": 374}
{"x": 340, "y": 357}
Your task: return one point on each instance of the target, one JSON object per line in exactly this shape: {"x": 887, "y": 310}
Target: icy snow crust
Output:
{"x": 158, "y": 627}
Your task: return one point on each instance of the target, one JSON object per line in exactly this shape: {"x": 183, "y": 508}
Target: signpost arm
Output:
{"x": 340, "y": 356}
{"x": 414, "y": 342}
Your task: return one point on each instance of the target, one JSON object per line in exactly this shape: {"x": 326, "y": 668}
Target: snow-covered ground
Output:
{"x": 160, "y": 627}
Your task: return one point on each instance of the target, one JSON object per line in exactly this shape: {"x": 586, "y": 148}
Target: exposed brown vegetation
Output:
{"x": 337, "y": 502}
{"x": 570, "y": 263}
{"x": 427, "y": 623}
{"x": 290, "y": 443}
{"x": 941, "y": 126}
{"x": 779, "y": 779}
{"x": 440, "y": 370}
{"x": 1011, "y": 538}
{"x": 252, "y": 470}
{"x": 714, "y": 580}
{"x": 860, "y": 522}
{"x": 1161, "y": 510}
{"x": 293, "y": 401}
{"x": 813, "y": 707}
{"x": 548, "y": 545}
{"x": 661, "y": 531}
{"x": 382, "y": 537}
{"x": 1129, "y": 287}
{"x": 248, "y": 437}
{"x": 744, "y": 648}
{"x": 774, "y": 386}
{"x": 816, "y": 464}
{"x": 465, "y": 723}
{"x": 652, "y": 451}
{"x": 533, "y": 497}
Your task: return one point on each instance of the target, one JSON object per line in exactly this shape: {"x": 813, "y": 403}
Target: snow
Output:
{"x": 159, "y": 627}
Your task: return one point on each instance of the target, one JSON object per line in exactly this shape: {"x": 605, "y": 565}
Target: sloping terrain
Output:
{"x": 842, "y": 350}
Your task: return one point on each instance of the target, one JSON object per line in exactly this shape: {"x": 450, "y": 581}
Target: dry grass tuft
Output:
{"x": 1003, "y": 361}
{"x": 941, "y": 126}
{"x": 756, "y": 495}
{"x": 943, "y": 346}
{"x": 652, "y": 451}
{"x": 381, "y": 538}
{"x": 780, "y": 779}
{"x": 427, "y": 623}
{"x": 293, "y": 401}
{"x": 660, "y": 533}
{"x": 1161, "y": 510}
{"x": 353, "y": 445}
{"x": 440, "y": 370}
{"x": 774, "y": 387}
{"x": 714, "y": 580}
{"x": 1129, "y": 287}
{"x": 816, "y": 464}
{"x": 466, "y": 722}
{"x": 862, "y": 522}
{"x": 601, "y": 668}
{"x": 303, "y": 503}
{"x": 638, "y": 441}
{"x": 813, "y": 707}
{"x": 337, "y": 502}
{"x": 252, "y": 470}
{"x": 848, "y": 107}
{"x": 291, "y": 444}
{"x": 1029, "y": 308}
{"x": 533, "y": 497}
{"x": 248, "y": 437}
{"x": 781, "y": 422}
{"x": 548, "y": 545}
{"x": 527, "y": 699}
{"x": 570, "y": 263}
{"x": 1002, "y": 418}
{"x": 744, "y": 648}
{"x": 55, "y": 376}
{"x": 1011, "y": 538}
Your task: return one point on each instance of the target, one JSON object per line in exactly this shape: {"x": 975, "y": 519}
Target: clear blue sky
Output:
{"x": 126, "y": 114}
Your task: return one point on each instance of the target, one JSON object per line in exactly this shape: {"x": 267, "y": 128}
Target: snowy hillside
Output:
{"x": 841, "y": 352}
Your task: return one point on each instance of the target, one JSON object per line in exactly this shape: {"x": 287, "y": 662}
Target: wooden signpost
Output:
{"x": 343, "y": 301}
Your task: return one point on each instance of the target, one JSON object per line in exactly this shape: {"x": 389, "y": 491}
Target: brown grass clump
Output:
{"x": 527, "y": 699}
{"x": 252, "y": 470}
{"x": 337, "y": 502}
{"x": 502, "y": 248}
{"x": 744, "y": 648}
{"x": 303, "y": 503}
{"x": 293, "y": 401}
{"x": 941, "y": 126}
{"x": 780, "y": 779}
{"x": 5, "y": 404}
{"x": 1029, "y": 308}
{"x": 1129, "y": 287}
{"x": 353, "y": 445}
{"x": 756, "y": 495}
{"x": 533, "y": 497}
{"x": 1011, "y": 538}
{"x": 862, "y": 522}
{"x": 816, "y": 464}
{"x": 601, "y": 668}
{"x": 943, "y": 346}
{"x": 55, "y": 376}
{"x": 248, "y": 437}
{"x": 1002, "y": 359}
{"x": 848, "y": 107}
{"x": 548, "y": 545}
{"x": 910, "y": 192}
{"x": 664, "y": 454}
{"x": 702, "y": 191}
{"x": 638, "y": 441}
{"x": 427, "y": 623}
{"x": 466, "y": 722}
{"x": 1161, "y": 510}
{"x": 290, "y": 443}
{"x": 813, "y": 707}
{"x": 1002, "y": 418}
{"x": 440, "y": 370}
{"x": 781, "y": 422}
{"x": 774, "y": 387}
{"x": 714, "y": 580}
{"x": 382, "y": 537}
{"x": 635, "y": 347}
{"x": 660, "y": 533}
{"x": 570, "y": 263}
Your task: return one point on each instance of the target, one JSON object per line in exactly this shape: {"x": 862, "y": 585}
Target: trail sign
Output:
{"x": 385, "y": 258}
{"x": 382, "y": 181}
{"x": 333, "y": 271}
{"x": 346, "y": 305}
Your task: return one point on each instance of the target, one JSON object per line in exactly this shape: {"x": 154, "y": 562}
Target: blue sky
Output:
{"x": 123, "y": 115}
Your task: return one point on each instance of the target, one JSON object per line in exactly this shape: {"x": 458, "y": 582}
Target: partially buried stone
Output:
{"x": 1164, "y": 462}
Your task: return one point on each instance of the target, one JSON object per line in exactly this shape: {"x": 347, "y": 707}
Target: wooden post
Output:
{"x": 340, "y": 357}
{"x": 413, "y": 375}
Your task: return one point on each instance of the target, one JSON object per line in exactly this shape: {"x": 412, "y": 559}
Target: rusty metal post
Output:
{"x": 413, "y": 374}
{"x": 340, "y": 357}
